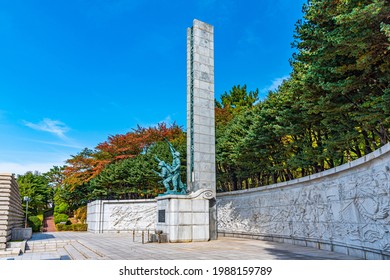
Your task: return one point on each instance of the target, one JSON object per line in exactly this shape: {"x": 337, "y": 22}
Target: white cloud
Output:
{"x": 167, "y": 120}
{"x": 55, "y": 127}
{"x": 20, "y": 169}
{"x": 274, "y": 84}
{"x": 67, "y": 145}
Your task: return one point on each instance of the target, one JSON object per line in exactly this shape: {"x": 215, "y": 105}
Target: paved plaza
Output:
{"x": 120, "y": 246}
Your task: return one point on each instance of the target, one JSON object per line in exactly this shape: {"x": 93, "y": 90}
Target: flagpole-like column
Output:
{"x": 201, "y": 170}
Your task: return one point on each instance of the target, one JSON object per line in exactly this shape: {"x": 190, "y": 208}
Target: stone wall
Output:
{"x": 105, "y": 216}
{"x": 11, "y": 212}
{"x": 345, "y": 209}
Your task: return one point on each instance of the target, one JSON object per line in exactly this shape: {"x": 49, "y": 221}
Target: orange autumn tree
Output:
{"x": 88, "y": 164}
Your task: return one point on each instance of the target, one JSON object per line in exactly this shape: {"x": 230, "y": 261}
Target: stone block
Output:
{"x": 204, "y": 157}
{"x": 205, "y": 139}
{"x": 207, "y": 167}
{"x": 180, "y": 218}
{"x": 200, "y": 205}
{"x": 205, "y": 94}
{"x": 200, "y": 233}
{"x": 356, "y": 253}
{"x": 373, "y": 256}
{"x": 202, "y": 34}
{"x": 206, "y": 121}
{"x": 184, "y": 205}
{"x": 204, "y": 59}
{"x": 206, "y": 85}
{"x": 325, "y": 246}
{"x": 200, "y": 218}
{"x": 340, "y": 249}
{"x": 197, "y": 24}
{"x": 21, "y": 233}
{"x": 180, "y": 234}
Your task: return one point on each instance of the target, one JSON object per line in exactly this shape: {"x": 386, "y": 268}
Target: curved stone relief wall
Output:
{"x": 121, "y": 215}
{"x": 345, "y": 209}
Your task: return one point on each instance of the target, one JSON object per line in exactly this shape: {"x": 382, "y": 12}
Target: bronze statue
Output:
{"x": 171, "y": 173}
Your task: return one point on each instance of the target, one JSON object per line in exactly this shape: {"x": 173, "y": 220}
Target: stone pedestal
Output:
{"x": 21, "y": 234}
{"x": 184, "y": 218}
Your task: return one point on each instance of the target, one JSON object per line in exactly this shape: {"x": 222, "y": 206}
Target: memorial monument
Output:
{"x": 192, "y": 216}
{"x": 170, "y": 174}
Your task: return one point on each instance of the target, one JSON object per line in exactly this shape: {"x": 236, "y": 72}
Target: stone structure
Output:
{"x": 11, "y": 212}
{"x": 184, "y": 218}
{"x": 104, "y": 216}
{"x": 345, "y": 209}
{"x": 201, "y": 174}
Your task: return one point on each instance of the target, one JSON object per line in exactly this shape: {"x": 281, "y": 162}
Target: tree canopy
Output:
{"x": 334, "y": 107}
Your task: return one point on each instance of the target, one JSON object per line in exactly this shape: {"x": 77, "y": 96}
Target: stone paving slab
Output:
{"x": 85, "y": 245}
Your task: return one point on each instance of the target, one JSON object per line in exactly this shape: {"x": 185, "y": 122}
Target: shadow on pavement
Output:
{"x": 41, "y": 236}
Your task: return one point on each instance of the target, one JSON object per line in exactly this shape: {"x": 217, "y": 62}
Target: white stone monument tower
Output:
{"x": 192, "y": 217}
{"x": 200, "y": 114}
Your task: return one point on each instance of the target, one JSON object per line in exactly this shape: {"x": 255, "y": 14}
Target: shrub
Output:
{"x": 81, "y": 214}
{"x": 60, "y": 218}
{"x": 63, "y": 227}
{"x": 62, "y": 208}
{"x": 80, "y": 227}
{"x": 40, "y": 216}
{"x": 35, "y": 223}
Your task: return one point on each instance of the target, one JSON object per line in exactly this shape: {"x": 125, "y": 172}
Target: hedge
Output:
{"x": 60, "y": 218}
{"x": 63, "y": 227}
{"x": 35, "y": 223}
{"x": 80, "y": 227}
{"x": 72, "y": 227}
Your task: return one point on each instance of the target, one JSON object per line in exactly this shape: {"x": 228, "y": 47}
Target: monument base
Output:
{"x": 184, "y": 218}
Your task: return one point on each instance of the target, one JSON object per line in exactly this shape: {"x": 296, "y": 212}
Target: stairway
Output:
{"x": 70, "y": 249}
{"x": 13, "y": 249}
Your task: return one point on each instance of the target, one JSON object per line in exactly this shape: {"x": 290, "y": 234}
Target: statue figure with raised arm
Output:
{"x": 165, "y": 173}
{"x": 171, "y": 173}
{"x": 178, "y": 185}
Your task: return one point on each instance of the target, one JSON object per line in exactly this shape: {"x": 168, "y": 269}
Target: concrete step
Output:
{"x": 14, "y": 248}
{"x": 94, "y": 254}
{"x": 64, "y": 255}
{"x": 74, "y": 253}
{"x": 42, "y": 246}
{"x": 86, "y": 251}
{"x": 10, "y": 252}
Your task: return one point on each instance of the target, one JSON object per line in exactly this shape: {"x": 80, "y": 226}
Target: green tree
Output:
{"x": 344, "y": 64}
{"x": 238, "y": 97}
{"x": 35, "y": 186}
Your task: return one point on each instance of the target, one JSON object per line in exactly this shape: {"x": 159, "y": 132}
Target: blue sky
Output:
{"x": 74, "y": 72}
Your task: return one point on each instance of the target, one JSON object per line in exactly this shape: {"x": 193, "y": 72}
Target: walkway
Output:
{"x": 48, "y": 224}
{"x": 85, "y": 245}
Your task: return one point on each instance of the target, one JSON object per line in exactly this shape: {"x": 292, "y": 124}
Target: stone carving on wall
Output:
{"x": 132, "y": 216}
{"x": 353, "y": 209}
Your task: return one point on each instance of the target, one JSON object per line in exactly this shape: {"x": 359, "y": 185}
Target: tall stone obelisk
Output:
{"x": 201, "y": 172}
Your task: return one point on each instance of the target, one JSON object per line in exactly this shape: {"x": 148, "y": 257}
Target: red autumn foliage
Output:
{"x": 88, "y": 164}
